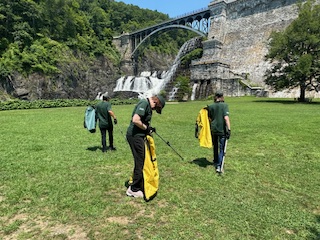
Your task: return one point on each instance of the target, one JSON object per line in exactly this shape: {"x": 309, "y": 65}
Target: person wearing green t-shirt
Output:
{"x": 138, "y": 128}
{"x": 218, "y": 114}
{"x": 104, "y": 114}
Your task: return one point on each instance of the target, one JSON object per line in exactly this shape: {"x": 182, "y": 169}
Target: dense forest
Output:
{"x": 63, "y": 48}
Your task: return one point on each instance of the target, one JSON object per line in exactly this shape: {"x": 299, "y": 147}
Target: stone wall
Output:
{"x": 238, "y": 39}
{"x": 249, "y": 25}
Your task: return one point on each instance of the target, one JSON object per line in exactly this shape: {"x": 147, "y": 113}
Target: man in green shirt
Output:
{"x": 218, "y": 114}
{"x": 104, "y": 114}
{"x": 138, "y": 129}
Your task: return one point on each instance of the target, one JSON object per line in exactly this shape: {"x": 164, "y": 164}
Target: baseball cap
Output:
{"x": 106, "y": 96}
{"x": 219, "y": 93}
{"x": 163, "y": 103}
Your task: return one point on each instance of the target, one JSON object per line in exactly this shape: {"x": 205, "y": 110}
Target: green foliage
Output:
{"x": 195, "y": 54}
{"x": 35, "y": 34}
{"x": 42, "y": 56}
{"x": 10, "y": 61}
{"x": 22, "y": 104}
{"x": 128, "y": 17}
{"x": 168, "y": 42}
{"x": 183, "y": 85}
{"x": 295, "y": 52}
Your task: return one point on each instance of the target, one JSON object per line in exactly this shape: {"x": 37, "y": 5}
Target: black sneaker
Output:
{"x": 112, "y": 148}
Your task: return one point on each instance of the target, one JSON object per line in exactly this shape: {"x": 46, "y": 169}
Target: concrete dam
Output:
{"x": 234, "y": 51}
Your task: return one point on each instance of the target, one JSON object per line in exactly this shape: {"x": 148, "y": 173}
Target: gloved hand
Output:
{"x": 196, "y": 130}
{"x": 115, "y": 121}
{"x": 150, "y": 130}
{"x": 228, "y": 133}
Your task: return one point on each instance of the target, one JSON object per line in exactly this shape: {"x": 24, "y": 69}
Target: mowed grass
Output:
{"x": 55, "y": 183}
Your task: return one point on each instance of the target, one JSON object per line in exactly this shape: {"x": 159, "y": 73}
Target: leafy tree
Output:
{"x": 183, "y": 85}
{"x": 295, "y": 52}
{"x": 66, "y": 37}
{"x": 187, "y": 59}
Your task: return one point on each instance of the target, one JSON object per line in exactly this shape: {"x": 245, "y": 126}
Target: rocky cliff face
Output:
{"x": 82, "y": 80}
{"x": 78, "y": 81}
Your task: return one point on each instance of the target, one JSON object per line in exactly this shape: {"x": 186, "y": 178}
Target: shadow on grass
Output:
{"x": 285, "y": 101}
{"x": 201, "y": 162}
{"x": 314, "y": 231}
{"x": 95, "y": 148}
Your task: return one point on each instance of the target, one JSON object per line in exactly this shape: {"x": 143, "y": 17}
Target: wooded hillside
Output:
{"x": 63, "y": 48}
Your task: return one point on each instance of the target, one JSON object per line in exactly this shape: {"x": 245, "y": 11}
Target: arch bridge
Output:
{"x": 197, "y": 21}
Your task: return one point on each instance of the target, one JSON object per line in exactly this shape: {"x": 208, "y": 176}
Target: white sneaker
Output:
{"x": 131, "y": 193}
{"x": 218, "y": 169}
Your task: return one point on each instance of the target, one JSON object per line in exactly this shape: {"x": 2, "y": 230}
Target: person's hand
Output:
{"x": 228, "y": 133}
{"x": 196, "y": 130}
{"x": 115, "y": 121}
{"x": 151, "y": 130}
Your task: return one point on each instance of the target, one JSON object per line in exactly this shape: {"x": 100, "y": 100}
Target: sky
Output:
{"x": 173, "y": 8}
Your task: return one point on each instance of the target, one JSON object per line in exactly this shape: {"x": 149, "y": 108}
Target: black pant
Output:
{"x": 138, "y": 151}
{"x": 104, "y": 137}
{"x": 218, "y": 142}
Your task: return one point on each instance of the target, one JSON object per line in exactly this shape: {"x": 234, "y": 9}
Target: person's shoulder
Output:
{"x": 143, "y": 102}
{"x": 225, "y": 104}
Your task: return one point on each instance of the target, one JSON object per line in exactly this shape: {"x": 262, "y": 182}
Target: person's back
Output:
{"x": 102, "y": 111}
{"x": 104, "y": 114}
{"x": 144, "y": 110}
{"x": 216, "y": 112}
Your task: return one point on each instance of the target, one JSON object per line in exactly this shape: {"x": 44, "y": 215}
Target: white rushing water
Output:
{"x": 148, "y": 84}
{"x": 193, "y": 94}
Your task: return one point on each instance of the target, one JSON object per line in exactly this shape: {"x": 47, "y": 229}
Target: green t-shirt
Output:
{"x": 216, "y": 112}
{"x": 143, "y": 109}
{"x": 102, "y": 113}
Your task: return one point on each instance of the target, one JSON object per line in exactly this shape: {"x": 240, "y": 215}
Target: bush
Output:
{"x": 23, "y": 104}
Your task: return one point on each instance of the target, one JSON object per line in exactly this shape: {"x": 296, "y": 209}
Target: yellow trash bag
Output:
{"x": 150, "y": 169}
{"x": 203, "y": 132}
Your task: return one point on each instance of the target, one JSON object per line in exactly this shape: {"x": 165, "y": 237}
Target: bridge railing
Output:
{"x": 191, "y": 13}
{"x": 171, "y": 20}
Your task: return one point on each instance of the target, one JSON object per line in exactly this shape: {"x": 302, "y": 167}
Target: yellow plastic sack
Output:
{"x": 204, "y": 134}
{"x": 150, "y": 169}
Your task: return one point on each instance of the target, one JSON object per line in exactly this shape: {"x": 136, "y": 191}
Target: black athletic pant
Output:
{"x": 138, "y": 151}
{"x": 218, "y": 142}
{"x": 104, "y": 138}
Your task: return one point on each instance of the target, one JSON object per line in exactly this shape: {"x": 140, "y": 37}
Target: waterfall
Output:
{"x": 148, "y": 84}
{"x": 194, "y": 89}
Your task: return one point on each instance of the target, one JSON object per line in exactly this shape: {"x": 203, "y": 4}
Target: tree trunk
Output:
{"x": 302, "y": 93}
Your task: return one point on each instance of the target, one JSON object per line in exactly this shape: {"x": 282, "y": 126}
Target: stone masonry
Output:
{"x": 237, "y": 44}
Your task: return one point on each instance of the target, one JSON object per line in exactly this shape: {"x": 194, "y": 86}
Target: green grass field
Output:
{"x": 55, "y": 183}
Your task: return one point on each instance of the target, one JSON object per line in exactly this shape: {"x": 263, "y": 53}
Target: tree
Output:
{"x": 295, "y": 52}
{"x": 183, "y": 85}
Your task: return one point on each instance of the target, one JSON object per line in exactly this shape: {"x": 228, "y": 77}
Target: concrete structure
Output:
{"x": 233, "y": 57}
{"x": 234, "y": 53}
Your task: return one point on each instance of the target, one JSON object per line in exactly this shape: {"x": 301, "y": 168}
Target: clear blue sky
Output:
{"x": 173, "y": 8}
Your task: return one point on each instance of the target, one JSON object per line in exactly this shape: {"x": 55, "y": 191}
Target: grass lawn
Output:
{"x": 55, "y": 183}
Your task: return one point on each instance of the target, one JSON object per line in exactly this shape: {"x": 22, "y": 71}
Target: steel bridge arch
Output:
{"x": 166, "y": 27}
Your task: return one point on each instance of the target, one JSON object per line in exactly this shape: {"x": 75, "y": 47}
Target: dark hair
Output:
{"x": 218, "y": 99}
{"x": 105, "y": 98}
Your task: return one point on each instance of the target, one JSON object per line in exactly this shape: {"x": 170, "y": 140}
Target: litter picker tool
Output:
{"x": 121, "y": 132}
{"x": 169, "y": 145}
{"x": 224, "y": 154}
